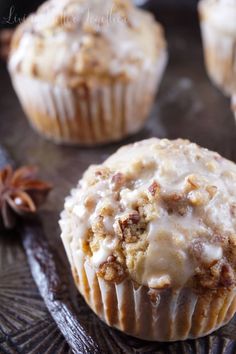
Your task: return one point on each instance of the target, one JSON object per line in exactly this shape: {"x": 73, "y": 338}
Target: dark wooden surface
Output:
{"x": 187, "y": 106}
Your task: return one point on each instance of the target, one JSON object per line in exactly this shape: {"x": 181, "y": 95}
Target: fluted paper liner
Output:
{"x": 162, "y": 315}
{"x": 99, "y": 113}
{"x": 220, "y": 54}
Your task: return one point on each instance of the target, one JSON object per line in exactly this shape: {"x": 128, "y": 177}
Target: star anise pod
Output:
{"x": 21, "y": 193}
{"x": 5, "y": 43}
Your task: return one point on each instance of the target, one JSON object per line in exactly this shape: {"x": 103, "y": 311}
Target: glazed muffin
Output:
{"x": 87, "y": 71}
{"x": 151, "y": 238}
{"x": 218, "y": 26}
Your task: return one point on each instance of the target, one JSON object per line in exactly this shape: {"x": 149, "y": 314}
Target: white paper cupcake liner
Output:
{"x": 164, "y": 315}
{"x": 98, "y": 114}
{"x": 220, "y": 54}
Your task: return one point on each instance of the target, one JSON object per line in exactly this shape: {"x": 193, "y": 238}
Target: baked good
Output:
{"x": 234, "y": 104}
{"x": 151, "y": 238}
{"x": 87, "y": 71}
{"x": 218, "y": 26}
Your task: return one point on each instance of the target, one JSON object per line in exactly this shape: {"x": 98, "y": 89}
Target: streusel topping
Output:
{"x": 68, "y": 40}
{"x": 160, "y": 212}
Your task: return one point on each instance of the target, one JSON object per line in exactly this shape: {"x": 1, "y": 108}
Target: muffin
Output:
{"x": 151, "y": 239}
{"x": 218, "y": 26}
{"x": 234, "y": 104}
{"x": 87, "y": 71}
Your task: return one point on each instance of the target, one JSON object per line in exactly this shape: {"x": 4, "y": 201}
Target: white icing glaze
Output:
{"x": 108, "y": 223}
{"x": 106, "y": 249}
{"x": 80, "y": 211}
{"x": 128, "y": 197}
{"x": 167, "y": 252}
{"x": 212, "y": 253}
{"x": 159, "y": 282}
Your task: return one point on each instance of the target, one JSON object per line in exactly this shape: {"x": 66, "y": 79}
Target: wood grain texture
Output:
{"x": 187, "y": 106}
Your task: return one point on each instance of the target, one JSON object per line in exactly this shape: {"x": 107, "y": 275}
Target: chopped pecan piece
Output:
{"x": 89, "y": 203}
{"x": 102, "y": 173}
{"x": 131, "y": 227}
{"x": 111, "y": 259}
{"x": 220, "y": 238}
{"x": 192, "y": 183}
{"x": 154, "y": 189}
{"x": 199, "y": 251}
{"x": 154, "y": 296}
{"x": 199, "y": 197}
{"x": 219, "y": 275}
{"x": 176, "y": 203}
{"x": 112, "y": 271}
{"x": 227, "y": 278}
{"x": 196, "y": 249}
{"x": 233, "y": 210}
{"x": 133, "y": 218}
{"x": 98, "y": 227}
{"x": 232, "y": 241}
{"x": 117, "y": 181}
{"x": 176, "y": 198}
{"x": 212, "y": 190}
{"x": 107, "y": 209}
{"x": 206, "y": 280}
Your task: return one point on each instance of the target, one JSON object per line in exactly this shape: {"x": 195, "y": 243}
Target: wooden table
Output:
{"x": 187, "y": 106}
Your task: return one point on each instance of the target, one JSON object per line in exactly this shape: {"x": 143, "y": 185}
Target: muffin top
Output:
{"x": 68, "y": 41}
{"x": 221, "y": 14}
{"x": 160, "y": 212}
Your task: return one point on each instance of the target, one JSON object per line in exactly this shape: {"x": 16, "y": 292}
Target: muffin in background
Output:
{"x": 86, "y": 71}
{"x": 234, "y": 105}
{"x": 150, "y": 236}
{"x": 218, "y": 26}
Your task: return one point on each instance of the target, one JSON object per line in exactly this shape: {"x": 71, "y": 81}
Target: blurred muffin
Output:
{"x": 218, "y": 26}
{"x": 150, "y": 236}
{"x": 87, "y": 71}
{"x": 234, "y": 104}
